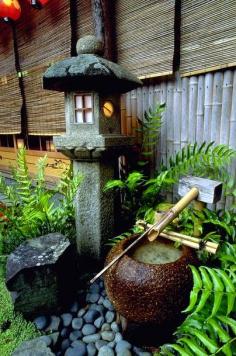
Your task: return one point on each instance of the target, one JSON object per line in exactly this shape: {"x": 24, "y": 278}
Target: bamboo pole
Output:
{"x": 185, "y": 112}
{"x": 208, "y": 107}
{"x": 200, "y": 110}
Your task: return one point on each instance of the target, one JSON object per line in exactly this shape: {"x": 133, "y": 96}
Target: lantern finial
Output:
{"x": 89, "y": 45}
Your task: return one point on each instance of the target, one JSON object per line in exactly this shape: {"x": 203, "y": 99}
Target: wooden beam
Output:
{"x": 103, "y": 21}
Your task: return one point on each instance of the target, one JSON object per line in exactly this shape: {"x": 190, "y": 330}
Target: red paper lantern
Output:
{"x": 38, "y": 4}
{"x": 10, "y": 9}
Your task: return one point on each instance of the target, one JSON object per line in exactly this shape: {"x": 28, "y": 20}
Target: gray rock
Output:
{"x": 99, "y": 321}
{"x": 143, "y": 353}
{"x": 103, "y": 293}
{"x": 77, "y": 351}
{"x": 111, "y": 344}
{"x": 99, "y": 308}
{"x": 54, "y": 324}
{"x": 115, "y": 327}
{"x": 46, "y": 339}
{"x": 74, "y": 307}
{"x": 124, "y": 352}
{"x": 106, "y": 351}
{"x": 65, "y": 344}
{"x": 123, "y": 345}
{"x": 34, "y": 347}
{"x": 101, "y": 300}
{"x": 74, "y": 335}
{"x": 100, "y": 343}
{"x": 54, "y": 337}
{"x": 91, "y": 316}
{"x": 118, "y": 337}
{"x": 81, "y": 312}
{"x": 40, "y": 322}
{"x": 108, "y": 335}
{"x": 88, "y": 329}
{"x": 94, "y": 288}
{"x": 110, "y": 316}
{"x": 65, "y": 332}
{"x": 107, "y": 304}
{"x": 91, "y": 338}
{"x": 91, "y": 349}
{"x": 77, "y": 323}
{"x": 106, "y": 327}
{"x": 66, "y": 319}
{"x": 93, "y": 298}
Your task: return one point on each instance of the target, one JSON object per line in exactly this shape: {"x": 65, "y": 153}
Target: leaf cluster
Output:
{"x": 31, "y": 208}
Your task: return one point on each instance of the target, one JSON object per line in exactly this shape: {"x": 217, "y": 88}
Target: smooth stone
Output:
{"x": 66, "y": 319}
{"x": 76, "y": 351}
{"x": 107, "y": 304}
{"x": 33, "y": 347}
{"x": 54, "y": 337}
{"x": 81, "y": 312}
{"x": 91, "y": 338}
{"x": 110, "y": 316}
{"x": 46, "y": 339}
{"x": 140, "y": 352}
{"x": 74, "y": 307}
{"x": 77, "y": 343}
{"x": 54, "y": 324}
{"x": 93, "y": 298}
{"x": 91, "y": 316}
{"x": 111, "y": 344}
{"x": 118, "y": 337}
{"x": 65, "y": 344}
{"x": 100, "y": 343}
{"x": 94, "y": 288}
{"x": 100, "y": 308}
{"x": 74, "y": 335}
{"x": 40, "y": 322}
{"x": 101, "y": 284}
{"x": 108, "y": 335}
{"x": 77, "y": 323}
{"x": 106, "y": 327}
{"x": 99, "y": 321}
{"x": 91, "y": 349}
{"x": 65, "y": 332}
{"x": 88, "y": 329}
{"x": 103, "y": 293}
{"x": 123, "y": 345}
{"x": 124, "y": 353}
{"x": 115, "y": 327}
{"x": 101, "y": 300}
{"x": 106, "y": 351}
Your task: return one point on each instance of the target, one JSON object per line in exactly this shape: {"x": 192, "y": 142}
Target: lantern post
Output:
{"x": 93, "y": 139}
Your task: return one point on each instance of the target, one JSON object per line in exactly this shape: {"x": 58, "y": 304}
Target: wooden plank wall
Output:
{"x": 198, "y": 108}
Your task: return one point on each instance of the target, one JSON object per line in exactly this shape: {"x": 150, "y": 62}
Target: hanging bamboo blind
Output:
{"x": 84, "y": 18}
{"x": 10, "y": 99}
{"x": 145, "y": 36}
{"x": 45, "y": 109}
{"x": 208, "y": 35}
{"x": 44, "y": 36}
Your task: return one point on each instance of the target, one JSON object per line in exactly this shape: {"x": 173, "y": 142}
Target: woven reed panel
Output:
{"x": 7, "y": 59}
{"x": 45, "y": 108}
{"x": 208, "y": 35}
{"x": 44, "y": 35}
{"x": 10, "y": 99}
{"x": 145, "y": 36}
{"x": 84, "y": 18}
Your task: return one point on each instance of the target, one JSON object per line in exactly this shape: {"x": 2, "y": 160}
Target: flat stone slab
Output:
{"x": 35, "y": 347}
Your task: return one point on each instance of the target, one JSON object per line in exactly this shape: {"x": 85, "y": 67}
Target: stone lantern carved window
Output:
{"x": 83, "y": 109}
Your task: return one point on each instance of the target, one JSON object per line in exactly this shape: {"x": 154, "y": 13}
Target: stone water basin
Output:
{"x": 152, "y": 283}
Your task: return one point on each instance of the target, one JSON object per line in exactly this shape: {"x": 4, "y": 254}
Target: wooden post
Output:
{"x": 103, "y": 20}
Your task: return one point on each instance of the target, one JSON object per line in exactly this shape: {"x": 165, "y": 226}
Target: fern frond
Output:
{"x": 22, "y": 177}
{"x": 214, "y": 286}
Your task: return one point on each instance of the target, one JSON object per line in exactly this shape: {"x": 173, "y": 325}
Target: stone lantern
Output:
{"x": 93, "y": 139}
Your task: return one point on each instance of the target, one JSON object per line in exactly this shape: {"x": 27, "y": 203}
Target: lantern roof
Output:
{"x": 89, "y": 71}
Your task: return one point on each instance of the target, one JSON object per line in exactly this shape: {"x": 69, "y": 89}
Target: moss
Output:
{"x": 14, "y": 329}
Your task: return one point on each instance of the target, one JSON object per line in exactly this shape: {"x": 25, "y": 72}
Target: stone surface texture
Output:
{"x": 36, "y": 275}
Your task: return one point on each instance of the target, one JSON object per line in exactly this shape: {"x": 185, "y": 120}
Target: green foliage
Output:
{"x": 149, "y": 128}
{"x": 32, "y": 209}
{"x": 13, "y": 328}
{"x": 202, "y": 160}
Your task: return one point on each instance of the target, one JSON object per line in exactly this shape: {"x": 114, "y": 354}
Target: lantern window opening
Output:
{"x": 83, "y": 109}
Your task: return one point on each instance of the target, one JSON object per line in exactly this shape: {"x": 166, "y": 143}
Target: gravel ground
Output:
{"x": 91, "y": 330}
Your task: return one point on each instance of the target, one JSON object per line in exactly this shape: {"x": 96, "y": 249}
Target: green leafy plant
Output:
{"x": 31, "y": 209}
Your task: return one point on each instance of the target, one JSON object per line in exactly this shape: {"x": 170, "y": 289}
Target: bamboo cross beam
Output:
{"x": 190, "y": 241}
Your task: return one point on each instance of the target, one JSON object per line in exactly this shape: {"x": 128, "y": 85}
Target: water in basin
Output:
{"x": 156, "y": 252}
